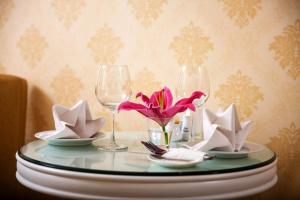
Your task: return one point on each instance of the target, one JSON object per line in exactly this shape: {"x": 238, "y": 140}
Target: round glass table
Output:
{"x": 84, "y": 172}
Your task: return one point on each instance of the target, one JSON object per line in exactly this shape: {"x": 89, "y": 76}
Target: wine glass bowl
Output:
{"x": 112, "y": 88}
{"x": 193, "y": 79}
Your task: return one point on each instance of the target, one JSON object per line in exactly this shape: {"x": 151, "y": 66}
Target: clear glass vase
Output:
{"x": 158, "y": 134}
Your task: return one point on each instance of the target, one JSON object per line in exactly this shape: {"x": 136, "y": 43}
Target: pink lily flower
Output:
{"x": 159, "y": 106}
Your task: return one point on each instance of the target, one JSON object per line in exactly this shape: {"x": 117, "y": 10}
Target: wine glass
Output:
{"x": 192, "y": 79}
{"x": 112, "y": 88}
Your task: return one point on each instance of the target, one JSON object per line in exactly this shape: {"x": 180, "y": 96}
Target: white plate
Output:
{"x": 71, "y": 142}
{"x": 249, "y": 147}
{"x": 173, "y": 163}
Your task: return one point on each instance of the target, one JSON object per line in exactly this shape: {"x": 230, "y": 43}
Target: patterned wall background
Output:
{"x": 251, "y": 49}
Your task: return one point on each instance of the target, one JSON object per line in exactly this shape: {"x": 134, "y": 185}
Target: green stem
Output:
{"x": 166, "y": 135}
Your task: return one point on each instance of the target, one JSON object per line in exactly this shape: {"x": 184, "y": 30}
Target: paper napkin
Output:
{"x": 184, "y": 154}
{"x": 73, "y": 123}
{"x": 224, "y": 130}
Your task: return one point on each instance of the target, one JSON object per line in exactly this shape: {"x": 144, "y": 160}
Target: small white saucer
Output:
{"x": 173, "y": 163}
{"x": 248, "y": 147}
{"x": 70, "y": 142}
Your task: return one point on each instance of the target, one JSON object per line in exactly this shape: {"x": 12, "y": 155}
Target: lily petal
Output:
{"x": 154, "y": 99}
{"x": 156, "y": 110}
{"x": 172, "y": 111}
{"x": 144, "y": 97}
{"x": 147, "y": 112}
{"x": 162, "y": 121}
{"x": 127, "y": 105}
{"x": 168, "y": 98}
{"x": 189, "y": 100}
{"x": 162, "y": 98}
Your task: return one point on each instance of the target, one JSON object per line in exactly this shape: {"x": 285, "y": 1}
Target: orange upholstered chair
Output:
{"x": 13, "y": 101}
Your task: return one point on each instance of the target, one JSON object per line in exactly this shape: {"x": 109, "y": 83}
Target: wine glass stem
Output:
{"x": 113, "y": 140}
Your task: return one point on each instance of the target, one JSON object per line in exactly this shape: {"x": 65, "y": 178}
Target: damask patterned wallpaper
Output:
{"x": 251, "y": 49}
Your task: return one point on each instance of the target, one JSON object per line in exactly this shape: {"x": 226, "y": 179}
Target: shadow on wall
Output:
{"x": 39, "y": 113}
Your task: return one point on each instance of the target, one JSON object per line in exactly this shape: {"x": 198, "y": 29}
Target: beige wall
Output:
{"x": 251, "y": 49}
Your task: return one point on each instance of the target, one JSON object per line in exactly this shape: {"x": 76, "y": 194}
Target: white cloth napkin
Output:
{"x": 184, "y": 154}
{"x": 73, "y": 123}
{"x": 224, "y": 130}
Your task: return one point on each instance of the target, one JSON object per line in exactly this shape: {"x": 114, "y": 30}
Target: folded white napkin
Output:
{"x": 223, "y": 130}
{"x": 73, "y": 123}
{"x": 184, "y": 154}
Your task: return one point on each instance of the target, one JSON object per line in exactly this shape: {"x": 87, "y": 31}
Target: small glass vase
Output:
{"x": 158, "y": 134}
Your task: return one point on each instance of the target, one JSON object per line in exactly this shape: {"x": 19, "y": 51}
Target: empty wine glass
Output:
{"x": 192, "y": 79}
{"x": 112, "y": 88}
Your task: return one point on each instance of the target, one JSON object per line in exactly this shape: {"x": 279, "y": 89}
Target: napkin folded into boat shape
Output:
{"x": 73, "y": 123}
{"x": 223, "y": 130}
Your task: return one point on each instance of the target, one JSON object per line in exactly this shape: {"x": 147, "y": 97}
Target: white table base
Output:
{"x": 79, "y": 185}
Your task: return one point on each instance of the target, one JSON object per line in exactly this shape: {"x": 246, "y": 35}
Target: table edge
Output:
{"x": 120, "y": 173}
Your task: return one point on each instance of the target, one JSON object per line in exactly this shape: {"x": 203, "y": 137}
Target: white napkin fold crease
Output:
{"x": 184, "y": 154}
{"x": 73, "y": 123}
{"x": 224, "y": 130}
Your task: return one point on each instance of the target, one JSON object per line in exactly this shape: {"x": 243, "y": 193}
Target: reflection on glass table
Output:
{"x": 134, "y": 161}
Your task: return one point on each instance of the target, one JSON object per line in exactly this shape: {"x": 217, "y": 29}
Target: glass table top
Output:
{"x": 132, "y": 162}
